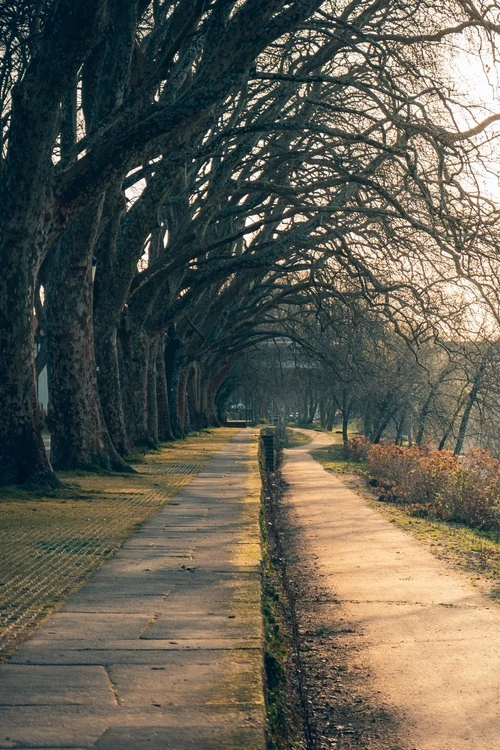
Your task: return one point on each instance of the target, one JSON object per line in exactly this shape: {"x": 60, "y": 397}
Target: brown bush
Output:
{"x": 439, "y": 484}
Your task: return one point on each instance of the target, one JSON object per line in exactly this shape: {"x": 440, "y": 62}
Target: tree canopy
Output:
{"x": 182, "y": 182}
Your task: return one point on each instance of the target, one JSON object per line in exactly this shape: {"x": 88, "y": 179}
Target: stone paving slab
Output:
{"x": 149, "y": 653}
{"x": 163, "y": 648}
{"x": 33, "y": 685}
{"x": 83, "y": 727}
{"x": 158, "y": 738}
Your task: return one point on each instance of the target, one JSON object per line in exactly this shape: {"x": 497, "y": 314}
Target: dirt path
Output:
{"x": 420, "y": 642}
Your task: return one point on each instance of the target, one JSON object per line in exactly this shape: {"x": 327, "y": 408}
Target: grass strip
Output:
{"x": 286, "y": 725}
{"x": 53, "y": 543}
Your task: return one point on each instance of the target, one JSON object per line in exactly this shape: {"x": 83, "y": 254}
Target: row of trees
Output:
{"x": 221, "y": 166}
{"x": 423, "y": 388}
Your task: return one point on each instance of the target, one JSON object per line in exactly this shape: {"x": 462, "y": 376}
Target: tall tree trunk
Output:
{"x": 400, "y": 425}
{"x": 346, "y": 411}
{"x": 471, "y": 400}
{"x": 110, "y": 294}
{"x": 194, "y": 399}
{"x": 212, "y": 384}
{"x": 424, "y": 412}
{"x": 448, "y": 430}
{"x": 109, "y": 382}
{"x": 423, "y": 417}
{"x": 22, "y": 453}
{"x": 29, "y": 223}
{"x": 162, "y": 395}
{"x": 79, "y": 435}
{"x": 152, "y": 395}
{"x": 322, "y": 413}
{"x": 380, "y": 427}
{"x": 172, "y": 369}
{"x": 181, "y": 400}
{"x": 330, "y": 416}
{"x": 134, "y": 355}
{"x": 368, "y": 421}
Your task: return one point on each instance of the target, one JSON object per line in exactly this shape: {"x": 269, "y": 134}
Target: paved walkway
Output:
{"x": 162, "y": 649}
{"x": 430, "y": 642}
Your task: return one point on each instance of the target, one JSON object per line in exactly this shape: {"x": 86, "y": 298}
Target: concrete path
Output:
{"x": 430, "y": 642}
{"x": 162, "y": 649}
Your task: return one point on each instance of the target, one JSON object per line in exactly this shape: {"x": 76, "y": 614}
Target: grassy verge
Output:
{"x": 53, "y": 543}
{"x": 333, "y": 459}
{"x": 285, "y": 717}
{"x": 473, "y": 551}
{"x": 285, "y": 721}
{"x": 295, "y": 438}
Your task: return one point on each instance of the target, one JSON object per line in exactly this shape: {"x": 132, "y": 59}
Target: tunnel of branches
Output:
{"x": 244, "y": 208}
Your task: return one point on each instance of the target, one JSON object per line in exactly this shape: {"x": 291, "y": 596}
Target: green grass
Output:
{"x": 53, "y": 542}
{"x": 294, "y": 439}
{"x": 284, "y": 718}
{"x": 333, "y": 459}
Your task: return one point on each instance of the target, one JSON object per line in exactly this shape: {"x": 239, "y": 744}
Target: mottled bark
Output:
{"x": 28, "y": 221}
{"x": 164, "y": 426}
{"x": 173, "y": 351}
{"x": 22, "y": 454}
{"x": 193, "y": 396}
{"x": 212, "y": 380}
{"x": 79, "y": 435}
{"x": 110, "y": 294}
{"x": 134, "y": 353}
{"x": 152, "y": 394}
{"x": 181, "y": 411}
{"x": 109, "y": 383}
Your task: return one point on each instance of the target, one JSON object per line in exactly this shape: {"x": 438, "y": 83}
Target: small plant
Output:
{"x": 358, "y": 447}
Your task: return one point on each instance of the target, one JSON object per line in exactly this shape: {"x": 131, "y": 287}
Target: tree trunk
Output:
{"x": 379, "y": 429}
{"x": 424, "y": 412}
{"x": 79, "y": 435}
{"x": 22, "y": 453}
{"x": 152, "y": 395}
{"x": 134, "y": 354}
{"x": 471, "y": 400}
{"x": 172, "y": 370}
{"x": 449, "y": 429}
{"x": 109, "y": 382}
{"x": 211, "y": 383}
{"x": 322, "y": 413}
{"x": 346, "y": 411}
{"x": 194, "y": 400}
{"x": 368, "y": 421}
{"x": 181, "y": 400}
{"x": 330, "y": 417}
{"x": 423, "y": 417}
{"x": 110, "y": 294}
{"x": 164, "y": 426}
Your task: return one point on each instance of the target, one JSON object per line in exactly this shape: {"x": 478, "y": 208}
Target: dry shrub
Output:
{"x": 437, "y": 483}
{"x": 358, "y": 447}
